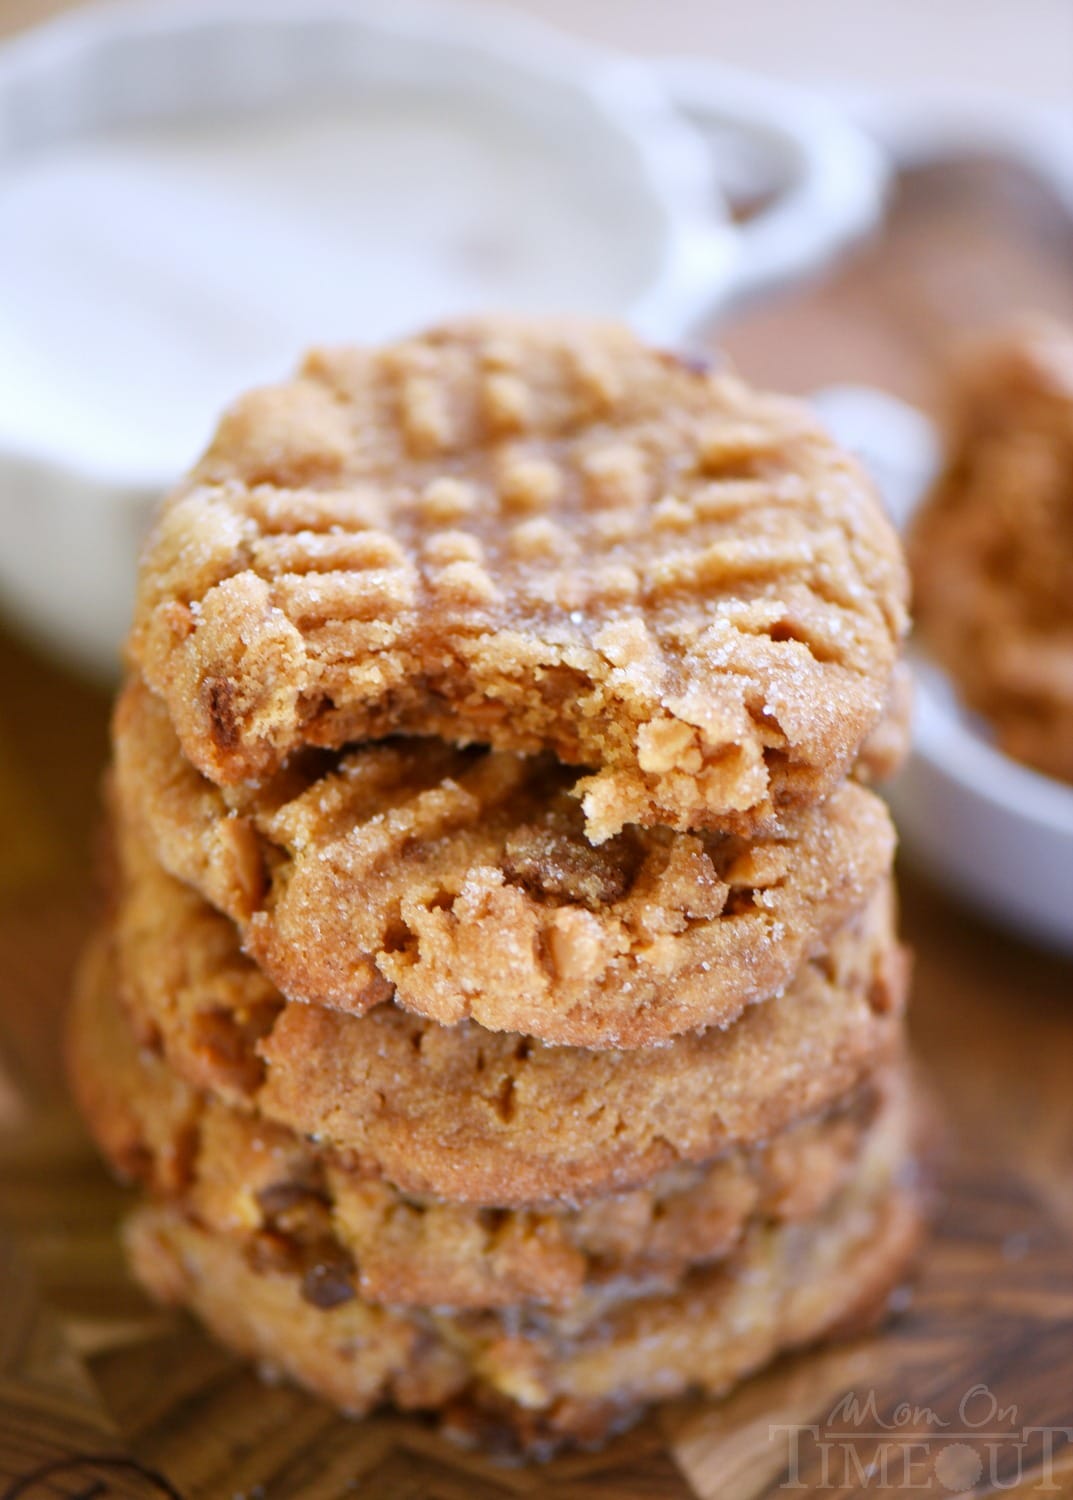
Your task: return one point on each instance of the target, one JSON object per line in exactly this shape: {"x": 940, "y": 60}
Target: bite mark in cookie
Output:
{"x": 462, "y": 883}
{"x": 542, "y": 537}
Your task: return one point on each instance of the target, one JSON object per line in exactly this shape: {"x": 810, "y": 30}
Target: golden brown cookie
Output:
{"x": 493, "y": 1117}
{"x": 535, "y": 536}
{"x": 992, "y": 547}
{"x": 303, "y": 1208}
{"x": 461, "y": 881}
{"x": 884, "y": 751}
{"x": 555, "y": 1377}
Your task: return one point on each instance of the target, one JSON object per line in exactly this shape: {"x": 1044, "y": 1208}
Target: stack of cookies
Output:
{"x": 500, "y": 998}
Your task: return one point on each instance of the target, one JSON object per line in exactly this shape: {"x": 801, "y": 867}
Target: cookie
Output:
{"x": 549, "y": 1378}
{"x": 543, "y": 537}
{"x": 301, "y": 1207}
{"x": 992, "y": 546}
{"x": 461, "y": 883}
{"x": 886, "y": 749}
{"x": 496, "y": 1118}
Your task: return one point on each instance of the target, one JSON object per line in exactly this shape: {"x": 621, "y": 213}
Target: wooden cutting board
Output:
{"x": 972, "y": 1386}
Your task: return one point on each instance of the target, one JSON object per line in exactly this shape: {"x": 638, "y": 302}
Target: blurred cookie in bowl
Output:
{"x": 984, "y": 801}
{"x": 991, "y": 548}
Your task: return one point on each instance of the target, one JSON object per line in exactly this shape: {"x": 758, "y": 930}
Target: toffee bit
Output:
{"x": 328, "y": 1284}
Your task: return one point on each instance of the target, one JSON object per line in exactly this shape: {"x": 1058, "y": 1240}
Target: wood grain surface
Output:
{"x": 970, "y": 1390}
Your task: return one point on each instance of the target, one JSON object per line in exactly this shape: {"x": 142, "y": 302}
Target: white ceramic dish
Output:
{"x": 994, "y": 830}
{"x": 195, "y": 191}
{"x": 984, "y": 825}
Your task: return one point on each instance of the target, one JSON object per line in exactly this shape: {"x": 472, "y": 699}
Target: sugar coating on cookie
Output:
{"x": 540, "y": 537}
{"x": 992, "y": 547}
{"x": 462, "y": 883}
{"x": 493, "y": 1118}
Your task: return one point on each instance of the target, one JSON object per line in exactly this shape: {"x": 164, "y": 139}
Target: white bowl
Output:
{"x": 195, "y": 191}
{"x": 996, "y": 832}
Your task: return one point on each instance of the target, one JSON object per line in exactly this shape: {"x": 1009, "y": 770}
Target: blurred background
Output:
{"x": 945, "y": 49}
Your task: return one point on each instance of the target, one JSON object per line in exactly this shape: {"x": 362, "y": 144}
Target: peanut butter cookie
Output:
{"x": 495, "y": 1118}
{"x": 298, "y": 1206}
{"x": 540, "y": 1379}
{"x": 540, "y": 537}
{"x": 461, "y": 882}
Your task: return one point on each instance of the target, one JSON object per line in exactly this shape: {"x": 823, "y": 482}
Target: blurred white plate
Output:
{"x": 192, "y": 193}
{"x": 985, "y": 825}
